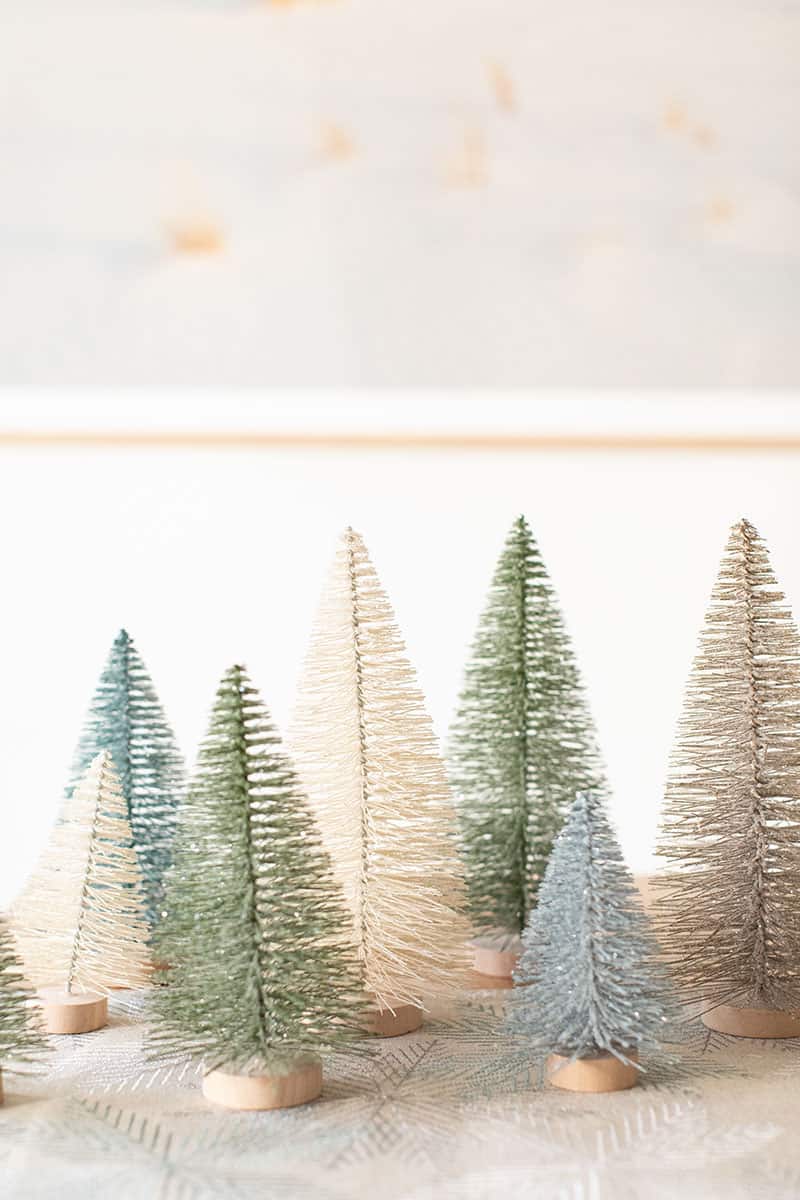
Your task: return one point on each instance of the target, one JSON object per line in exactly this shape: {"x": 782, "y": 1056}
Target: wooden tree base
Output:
{"x": 486, "y": 983}
{"x": 394, "y": 1021}
{"x": 753, "y": 1022}
{"x": 72, "y": 1012}
{"x": 605, "y": 1073}
{"x": 494, "y": 964}
{"x": 251, "y": 1092}
{"x": 498, "y": 964}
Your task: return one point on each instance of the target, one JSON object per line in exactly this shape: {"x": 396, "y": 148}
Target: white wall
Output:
{"x": 633, "y": 216}
{"x": 208, "y": 557}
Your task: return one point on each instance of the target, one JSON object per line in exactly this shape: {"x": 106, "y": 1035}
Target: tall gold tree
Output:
{"x": 727, "y": 907}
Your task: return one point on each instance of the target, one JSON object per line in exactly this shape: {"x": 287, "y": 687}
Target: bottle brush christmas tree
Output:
{"x": 21, "y": 1036}
{"x": 520, "y": 747}
{"x": 126, "y": 718}
{"x": 79, "y": 920}
{"x": 728, "y": 907}
{"x": 261, "y": 976}
{"x": 368, "y": 758}
{"x": 597, "y": 992}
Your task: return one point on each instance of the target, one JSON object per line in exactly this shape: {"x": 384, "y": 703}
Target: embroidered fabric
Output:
{"x": 447, "y": 1112}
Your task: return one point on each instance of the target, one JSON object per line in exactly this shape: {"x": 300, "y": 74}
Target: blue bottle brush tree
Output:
{"x": 126, "y": 718}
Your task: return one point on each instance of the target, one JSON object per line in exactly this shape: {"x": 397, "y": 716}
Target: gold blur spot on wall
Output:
{"x": 467, "y": 167}
{"x": 704, "y": 136}
{"x": 191, "y": 227}
{"x": 720, "y": 210}
{"x": 675, "y": 118}
{"x": 335, "y": 143}
{"x": 502, "y": 85}
{"x": 196, "y": 236}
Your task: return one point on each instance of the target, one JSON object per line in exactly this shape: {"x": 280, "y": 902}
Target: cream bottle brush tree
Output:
{"x": 368, "y": 758}
{"x": 521, "y": 745}
{"x": 21, "y": 1035}
{"x": 80, "y": 920}
{"x": 261, "y": 973}
{"x": 727, "y": 906}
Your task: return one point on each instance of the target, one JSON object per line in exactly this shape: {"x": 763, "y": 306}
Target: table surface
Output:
{"x": 445, "y": 1112}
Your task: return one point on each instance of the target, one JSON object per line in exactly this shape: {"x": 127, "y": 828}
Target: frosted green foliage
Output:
{"x": 126, "y": 718}
{"x": 255, "y": 938}
{"x": 21, "y": 1036}
{"x": 522, "y": 742}
{"x": 589, "y": 957}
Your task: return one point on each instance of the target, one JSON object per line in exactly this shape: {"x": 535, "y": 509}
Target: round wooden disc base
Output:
{"x": 251, "y": 1092}
{"x": 752, "y": 1022}
{"x": 605, "y": 1073}
{"x": 487, "y": 983}
{"x": 394, "y": 1021}
{"x": 494, "y": 965}
{"x": 73, "y": 1012}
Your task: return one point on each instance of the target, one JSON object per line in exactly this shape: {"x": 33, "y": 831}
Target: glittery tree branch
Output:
{"x": 522, "y": 742}
{"x": 21, "y": 1037}
{"x": 368, "y": 757}
{"x": 255, "y": 936}
{"x": 126, "y": 718}
{"x": 727, "y": 902}
{"x": 595, "y": 982}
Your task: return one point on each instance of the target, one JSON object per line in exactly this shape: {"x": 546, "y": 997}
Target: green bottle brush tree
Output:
{"x": 22, "y": 1038}
{"x": 260, "y": 976}
{"x": 520, "y": 747}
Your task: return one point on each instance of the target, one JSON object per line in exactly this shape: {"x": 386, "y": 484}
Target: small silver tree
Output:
{"x": 590, "y": 958}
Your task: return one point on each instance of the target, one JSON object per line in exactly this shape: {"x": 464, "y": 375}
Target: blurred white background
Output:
{"x": 441, "y": 194}
{"x": 216, "y": 554}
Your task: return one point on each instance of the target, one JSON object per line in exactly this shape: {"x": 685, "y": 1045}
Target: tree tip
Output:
{"x": 587, "y": 800}
{"x": 352, "y": 538}
{"x": 745, "y": 529}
